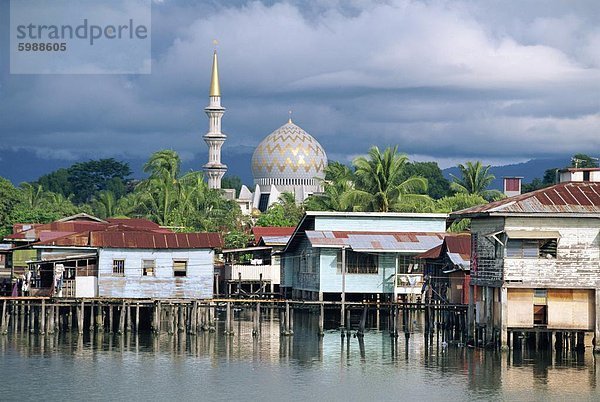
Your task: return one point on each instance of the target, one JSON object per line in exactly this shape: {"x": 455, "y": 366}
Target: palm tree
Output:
{"x": 34, "y": 194}
{"x": 475, "y": 179}
{"x": 339, "y": 179}
{"x": 106, "y": 204}
{"x": 378, "y": 185}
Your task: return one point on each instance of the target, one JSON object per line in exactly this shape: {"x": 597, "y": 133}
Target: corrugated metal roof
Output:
{"x": 138, "y": 239}
{"x": 58, "y": 229}
{"x": 375, "y": 241}
{"x": 272, "y": 231}
{"x": 274, "y": 240}
{"x": 459, "y": 260}
{"x": 568, "y": 197}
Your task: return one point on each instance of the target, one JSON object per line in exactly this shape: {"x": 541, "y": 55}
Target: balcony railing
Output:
{"x": 269, "y": 273}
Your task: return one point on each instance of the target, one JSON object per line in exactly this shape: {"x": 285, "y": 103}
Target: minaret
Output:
{"x": 214, "y": 169}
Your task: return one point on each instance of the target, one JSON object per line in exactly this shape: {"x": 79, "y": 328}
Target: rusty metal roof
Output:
{"x": 456, "y": 246}
{"x": 53, "y": 230}
{"x": 563, "y": 198}
{"x": 375, "y": 241}
{"x": 137, "y": 239}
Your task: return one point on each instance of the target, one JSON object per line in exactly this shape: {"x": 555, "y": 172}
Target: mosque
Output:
{"x": 287, "y": 160}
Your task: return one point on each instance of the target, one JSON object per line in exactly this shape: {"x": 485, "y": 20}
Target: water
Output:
{"x": 212, "y": 366}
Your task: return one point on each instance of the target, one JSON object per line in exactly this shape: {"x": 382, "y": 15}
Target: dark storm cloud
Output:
{"x": 443, "y": 80}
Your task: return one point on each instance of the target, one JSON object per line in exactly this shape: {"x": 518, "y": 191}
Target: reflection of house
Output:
{"x": 377, "y": 251}
{"x": 536, "y": 259}
{"x": 256, "y": 269}
{"x": 114, "y": 259}
{"x": 446, "y": 269}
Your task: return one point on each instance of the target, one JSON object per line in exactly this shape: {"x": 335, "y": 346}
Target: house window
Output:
{"x": 179, "y": 268}
{"x": 148, "y": 267}
{"x": 527, "y": 248}
{"x": 358, "y": 263}
{"x": 119, "y": 267}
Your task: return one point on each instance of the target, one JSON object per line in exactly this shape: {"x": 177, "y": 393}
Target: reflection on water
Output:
{"x": 213, "y": 366}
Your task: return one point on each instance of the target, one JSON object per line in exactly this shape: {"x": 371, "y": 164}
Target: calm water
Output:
{"x": 273, "y": 368}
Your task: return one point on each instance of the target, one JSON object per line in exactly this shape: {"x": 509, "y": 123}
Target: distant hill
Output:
{"x": 528, "y": 170}
{"x": 23, "y": 165}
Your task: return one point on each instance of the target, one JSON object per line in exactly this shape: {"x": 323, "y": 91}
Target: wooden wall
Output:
{"x": 197, "y": 284}
{"x": 578, "y": 254}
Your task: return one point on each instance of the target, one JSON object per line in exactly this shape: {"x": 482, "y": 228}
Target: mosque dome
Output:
{"x": 289, "y": 156}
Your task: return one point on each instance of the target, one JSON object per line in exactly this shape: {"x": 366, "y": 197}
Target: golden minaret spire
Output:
{"x": 215, "y": 90}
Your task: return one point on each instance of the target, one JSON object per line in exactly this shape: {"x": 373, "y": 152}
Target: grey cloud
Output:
{"x": 443, "y": 80}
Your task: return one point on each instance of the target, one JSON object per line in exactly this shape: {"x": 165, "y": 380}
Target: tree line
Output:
{"x": 381, "y": 181}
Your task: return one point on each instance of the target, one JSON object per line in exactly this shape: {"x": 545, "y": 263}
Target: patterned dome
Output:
{"x": 289, "y": 155}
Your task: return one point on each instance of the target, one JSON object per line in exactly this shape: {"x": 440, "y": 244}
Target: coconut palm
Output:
{"x": 475, "y": 179}
{"x": 105, "y": 204}
{"x": 339, "y": 179}
{"x": 378, "y": 186}
{"x": 33, "y": 194}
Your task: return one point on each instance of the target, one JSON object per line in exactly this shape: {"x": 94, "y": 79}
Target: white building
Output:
{"x": 287, "y": 160}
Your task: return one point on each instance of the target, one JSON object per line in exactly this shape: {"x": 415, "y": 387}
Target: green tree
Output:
{"x": 84, "y": 180}
{"x": 584, "y": 161}
{"x": 437, "y": 185}
{"x": 236, "y": 239}
{"x": 33, "y": 194}
{"x": 9, "y": 199}
{"x": 233, "y": 182}
{"x": 379, "y": 185}
{"x": 475, "y": 179}
{"x": 285, "y": 212}
{"x": 339, "y": 179}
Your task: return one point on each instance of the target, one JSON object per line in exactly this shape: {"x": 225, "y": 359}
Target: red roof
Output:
{"x": 58, "y": 229}
{"x": 128, "y": 238}
{"x": 260, "y": 231}
{"x": 567, "y": 198}
{"x": 459, "y": 243}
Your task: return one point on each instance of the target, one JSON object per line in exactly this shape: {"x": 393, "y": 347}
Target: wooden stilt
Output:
{"x": 31, "y": 314}
{"x": 322, "y": 320}
{"x": 79, "y": 313}
{"x": 50, "y": 320}
{"x": 3, "y": 317}
{"x": 193, "y": 317}
{"x": 70, "y": 319}
{"x": 22, "y": 318}
{"x": 180, "y": 318}
{"x": 43, "y": 318}
{"x": 92, "y": 317}
{"x": 128, "y": 326}
{"x": 363, "y": 322}
{"x": 122, "y": 319}
{"x": 110, "y": 319}
{"x": 137, "y": 317}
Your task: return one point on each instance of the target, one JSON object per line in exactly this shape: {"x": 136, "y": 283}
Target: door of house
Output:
{"x": 540, "y": 307}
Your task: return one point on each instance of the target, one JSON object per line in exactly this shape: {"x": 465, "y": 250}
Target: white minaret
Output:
{"x": 214, "y": 169}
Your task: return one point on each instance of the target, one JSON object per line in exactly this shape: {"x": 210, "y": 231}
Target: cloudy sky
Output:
{"x": 500, "y": 81}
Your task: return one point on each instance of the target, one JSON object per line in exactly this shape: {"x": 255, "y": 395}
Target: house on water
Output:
{"x": 255, "y": 269}
{"x": 358, "y": 255}
{"x": 117, "y": 260}
{"x": 535, "y": 261}
{"x": 446, "y": 269}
